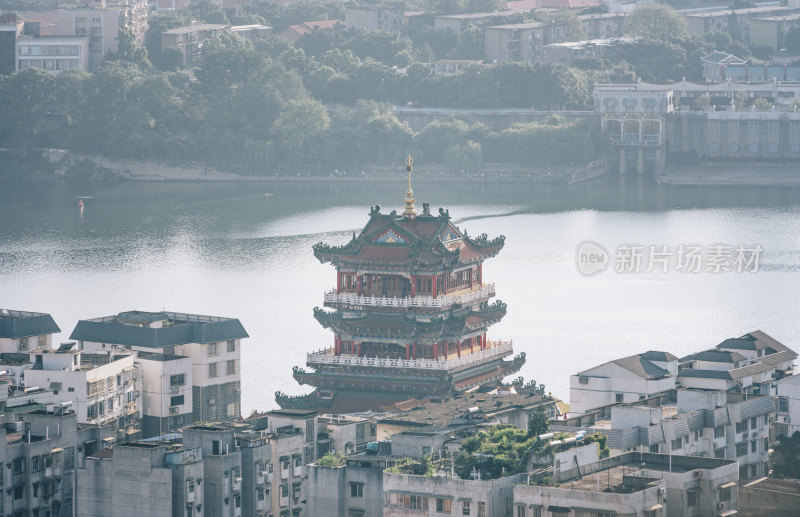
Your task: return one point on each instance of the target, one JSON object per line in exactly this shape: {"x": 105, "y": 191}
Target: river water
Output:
{"x": 234, "y": 250}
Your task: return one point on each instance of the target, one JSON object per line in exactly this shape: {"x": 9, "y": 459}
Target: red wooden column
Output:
{"x": 338, "y": 282}
{"x": 408, "y": 348}
{"x": 471, "y": 341}
{"x": 434, "y": 287}
{"x": 413, "y": 285}
{"x": 480, "y": 273}
{"x": 358, "y": 283}
{"x": 414, "y": 353}
{"x": 337, "y": 345}
{"x": 458, "y": 347}
{"x": 435, "y": 350}
{"x": 359, "y": 350}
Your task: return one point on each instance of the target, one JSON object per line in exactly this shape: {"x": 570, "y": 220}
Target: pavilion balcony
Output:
{"x": 494, "y": 350}
{"x": 462, "y": 296}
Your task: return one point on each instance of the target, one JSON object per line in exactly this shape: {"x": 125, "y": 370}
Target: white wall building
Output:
{"x": 212, "y": 343}
{"x": 53, "y": 53}
{"x": 103, "y": 387}
{"x": 623, "y": 380}
{"x": 21, "y": 331}
{"x": 788, "y": 418}
{"x": 166, "y": 393}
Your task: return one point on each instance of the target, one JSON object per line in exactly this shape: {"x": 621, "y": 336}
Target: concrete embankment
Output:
{"x": 734, "y": 174}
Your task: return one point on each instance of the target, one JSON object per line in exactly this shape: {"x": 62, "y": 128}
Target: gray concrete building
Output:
{"x": 212, "y": 343}
{"x": 353, "y": 489}
{"x": 222, "y": 468}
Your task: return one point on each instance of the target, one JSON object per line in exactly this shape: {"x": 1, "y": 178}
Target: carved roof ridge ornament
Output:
{"x": 409, "y": 212}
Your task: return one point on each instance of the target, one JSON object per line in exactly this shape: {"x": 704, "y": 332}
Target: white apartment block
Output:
{"x": 104, "y": 387}
{"x": 102, "y": 25}
{"x": 53, "y": 53}
{"x": 213, "y": 345}
{"x": 22, "y": 331}
{"x": 788, "y": 418}
{"x": 166, "y": 393}
{"x": 623, "y": 380}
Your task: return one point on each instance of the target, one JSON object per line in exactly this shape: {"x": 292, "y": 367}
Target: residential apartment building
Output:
{"x": 459, "y": 22}
{"x": 212, "y": 343}
{"x": 141, "y": 478}
{"x": 772, "y": 32}
{"x": 222, "y": 469}
{"x": 603, "y": 25}
{"x": 374, "y": 17}
{"x": 166, "y": 392}
{"x": 787, "y": 421}
{"x": 22, "y": 331}
{"x": 189, "y": 38}
{"x": 734, "y": 22}
{"x": 640, "y": 484}
{"x": 53, "y": 53}
{"x": 623, "y": 380}
{"x": 10, "y": 29}
{"x": 353, "y": 489}
{"x": 103, "y": 387}
{"x": 515, "y": 42}
{"x": 103, "y": 25}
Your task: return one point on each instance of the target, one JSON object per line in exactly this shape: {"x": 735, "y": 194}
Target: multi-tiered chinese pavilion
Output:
{"x": 409, "y": 314}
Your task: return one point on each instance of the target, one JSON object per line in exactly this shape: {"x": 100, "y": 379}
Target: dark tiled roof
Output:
{"x": 738, "y": 344}
{"x": 400, "y": 325}
{"x": 705, "y": 374}
{"x": 769, "y": 341}
{"x": 185, "y": 329}
{"x": 161, "y": 357}
{"x": 662, "y": 357}
{"x": 425, "y": 242}
{"x": 714, "y": 356}
{"x": 17, "y": 324}
{"x": 642, "y": 367}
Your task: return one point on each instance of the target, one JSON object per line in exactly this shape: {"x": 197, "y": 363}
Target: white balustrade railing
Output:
{"x": 496, "y": 348}
{"x": 461, "y": 297}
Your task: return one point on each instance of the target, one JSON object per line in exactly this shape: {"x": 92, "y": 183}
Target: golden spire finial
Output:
{"x": 409, "y": 211}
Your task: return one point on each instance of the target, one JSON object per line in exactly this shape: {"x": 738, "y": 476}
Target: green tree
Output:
{"x": 298, "y": 130}
{"x": 128, "y": 50}
{"x": 470, "y": 44}
{"x": 762, "y": 104}
{"x": 567, "y": 19}
{"x": 786, "y": 462}
{"x": 656, "y": 21}
{"x": 538, "y": 422}
{"x": 500, "y": 450}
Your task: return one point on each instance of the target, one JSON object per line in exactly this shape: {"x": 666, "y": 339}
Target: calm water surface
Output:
{"x": 231, "y": 250}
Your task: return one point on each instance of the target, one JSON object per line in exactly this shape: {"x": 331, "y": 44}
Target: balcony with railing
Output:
{"x": 464, "y": 296}
{"x": 494, "y": 350}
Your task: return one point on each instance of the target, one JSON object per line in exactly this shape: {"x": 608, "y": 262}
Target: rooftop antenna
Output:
{"x": 409, "y": 212}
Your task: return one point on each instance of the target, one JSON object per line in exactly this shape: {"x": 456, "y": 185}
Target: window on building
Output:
{"x": 443, "y": 505}
{"x": 691, "y": 499}
{"x": 654, "y": 448}
{"x": 719, "y": 432}
{"x": 237, "y": 501}
{"x": 212, "y": 369}
{"x": 36, "y": 490}
{"x": 111, "y": 404}
{"x": 465, "y": 507}
{"x": 754, "y": 446}
{"x": 677, "y": 444}
{"x": 426, "y": 450}
{"x": 232, "y": 410}
{"x": 620, "y": 397}
{"x": 765, "y": 445}
{"x": 19, "y": 491}
{"x": 537, "y": 511}
{"x": 520, "y": 511}
{"x": 177, "y": 400}
{"x": 101, "y": 408}
{"x": 481, "y": 509}
{"x": 213, "y": 349}
{"x": 754, "y": 423}
{"x": 356, "y": 489}
{"x": 231, "y": 345}
{"x": 23, "y": 344}
{"x": 177, "y": 379}
{"x": 231, "y": 365}
{"x": 741, "y": 427}
{"x": 34, "y": 463}
{"x": 741, "y": 449}
{"x": 725, "y": 492}
{"x": 91, "y": 412}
